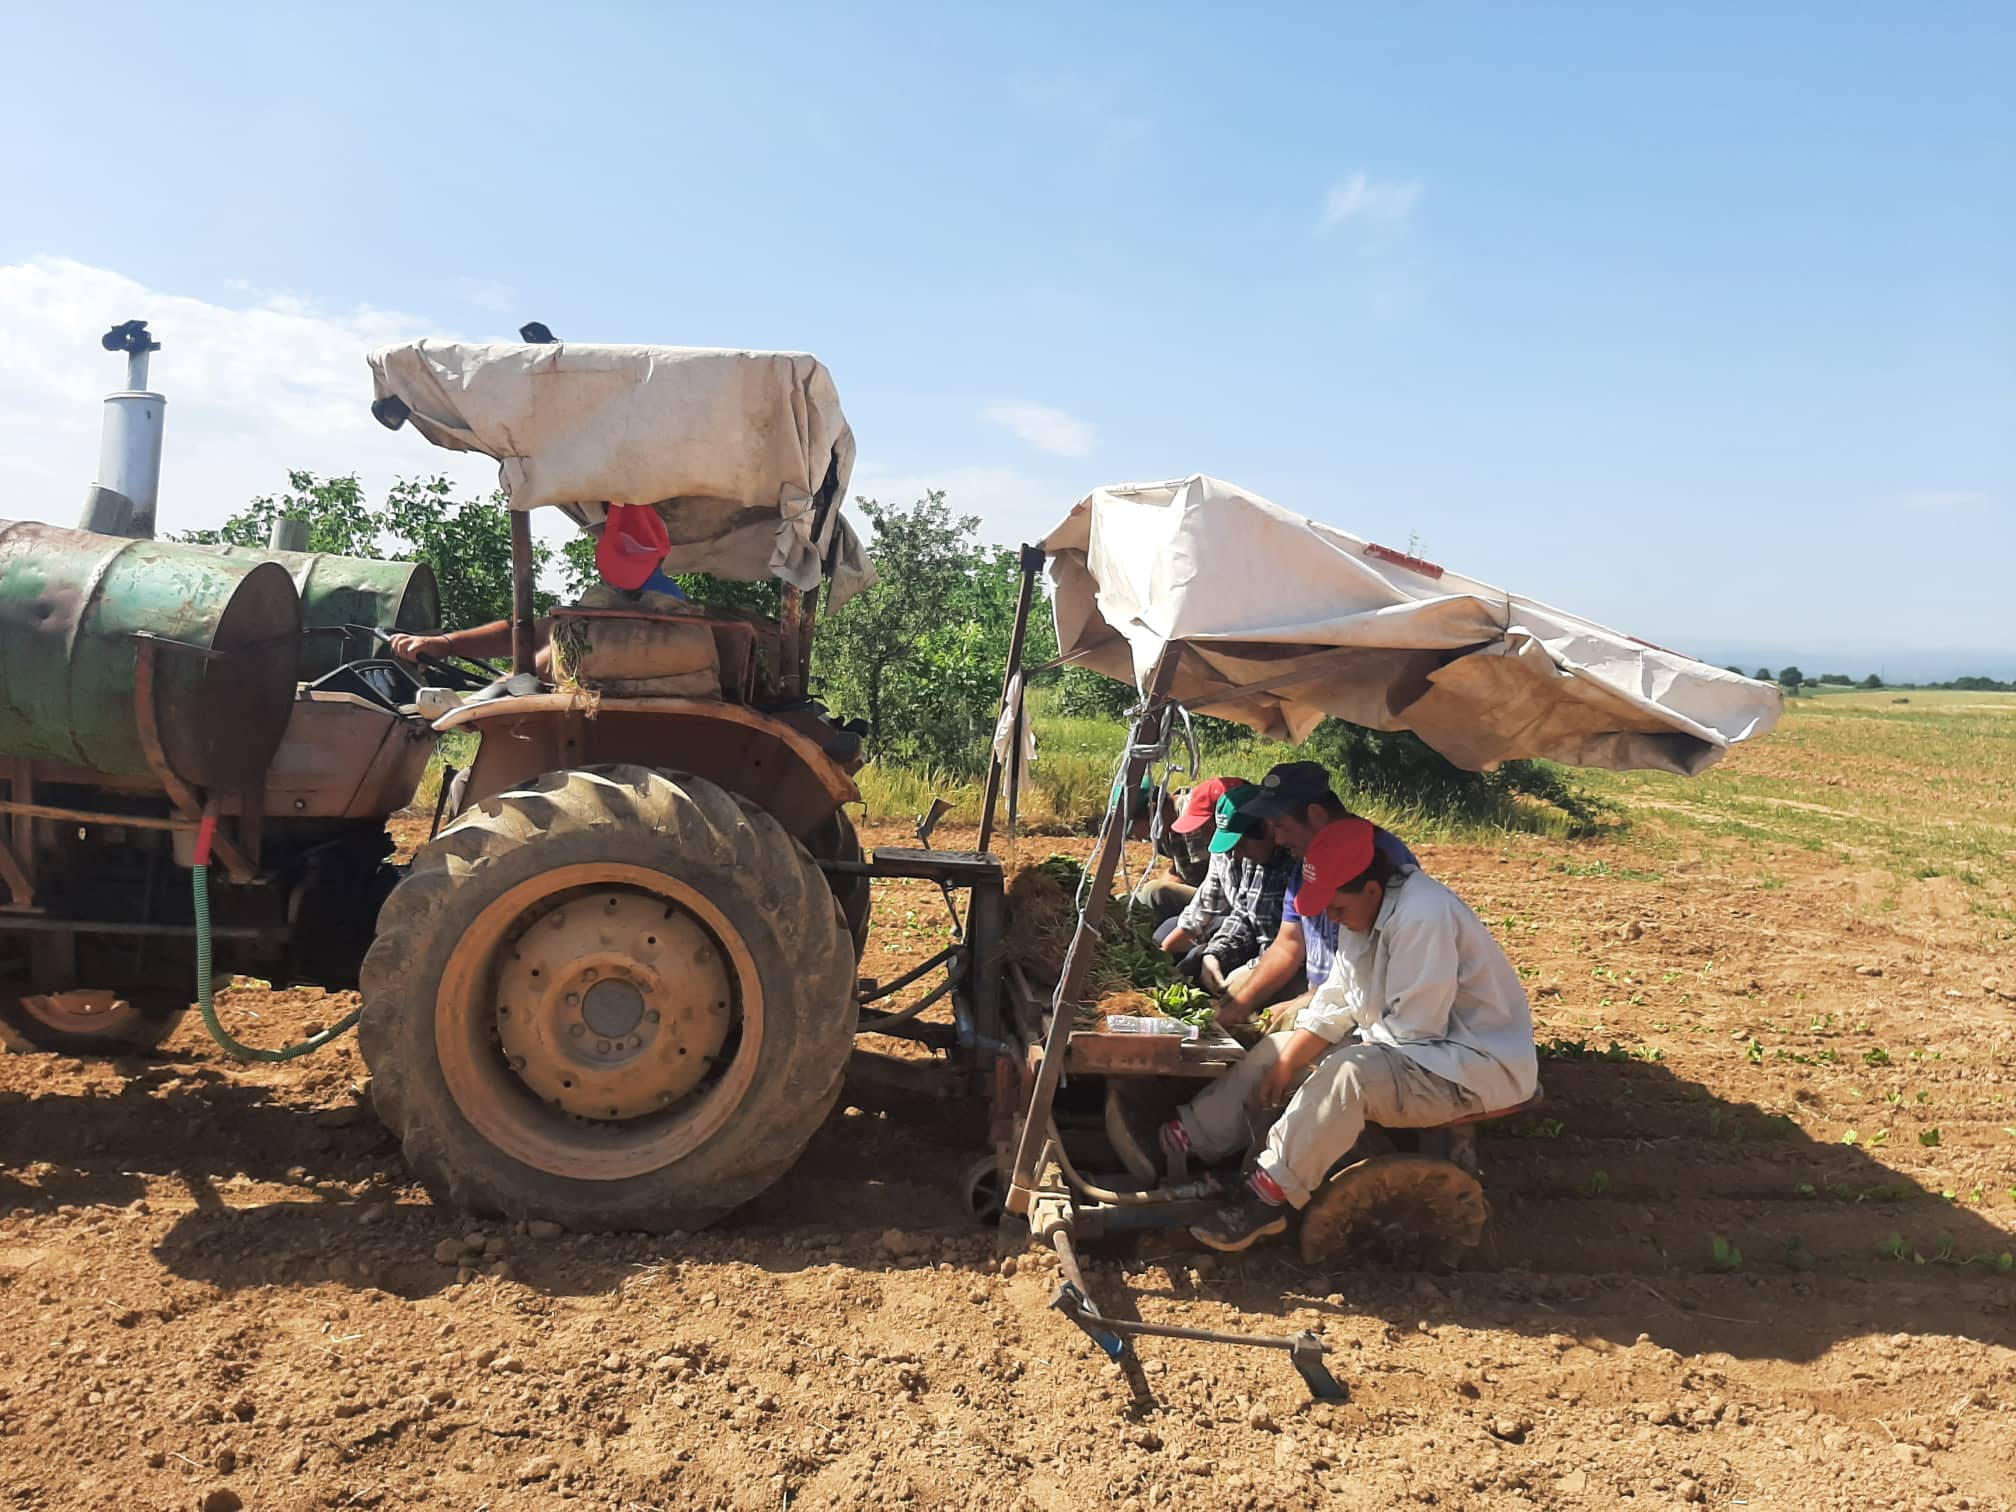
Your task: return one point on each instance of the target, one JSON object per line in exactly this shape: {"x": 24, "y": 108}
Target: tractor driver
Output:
{"x": 1423, "y": 1021}
{"x": 630, "y": 548}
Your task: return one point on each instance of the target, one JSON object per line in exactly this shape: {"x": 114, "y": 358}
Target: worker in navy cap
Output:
{"x": 1294, "y": 803}
{"x": 1422, "y": 1022}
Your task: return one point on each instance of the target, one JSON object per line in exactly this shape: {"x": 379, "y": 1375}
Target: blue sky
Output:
{"x": 1696, "y": 319}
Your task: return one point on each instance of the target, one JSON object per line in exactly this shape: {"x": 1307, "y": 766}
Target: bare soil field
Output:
{"x": 1754, "y": 1250}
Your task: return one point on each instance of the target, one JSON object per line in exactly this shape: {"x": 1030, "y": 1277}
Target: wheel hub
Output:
{"x": 613, "y": 1005}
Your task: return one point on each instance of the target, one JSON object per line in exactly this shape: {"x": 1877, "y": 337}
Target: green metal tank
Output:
{"x": 337, "y": 591}
{"x": 74, "y": 607}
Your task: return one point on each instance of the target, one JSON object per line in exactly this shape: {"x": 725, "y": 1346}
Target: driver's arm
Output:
{"x": 482, "y": 643}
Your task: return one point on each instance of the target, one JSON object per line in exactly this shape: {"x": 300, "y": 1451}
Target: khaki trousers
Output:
{"x": 1347, "y": 1087}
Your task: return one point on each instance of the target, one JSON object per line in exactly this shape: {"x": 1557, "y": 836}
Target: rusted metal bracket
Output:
{"x": 20, "y": 891}
{"x": 20, "y": 844}
{"x": 1084, "y": 942}
{"x": 1033, "y": 559}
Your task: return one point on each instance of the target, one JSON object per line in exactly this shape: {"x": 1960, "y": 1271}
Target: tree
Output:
{"x": 468, "y": 544}
{"x": 1763, "y": 674}
{"x": 339, "y": 521}
{"x": 1872, "y": 681}
{"x": 1732, "y": 667}
{"x": 919, "y": 655}
{"x": 1790, "y": 678}
{"x": 466, "y": 541}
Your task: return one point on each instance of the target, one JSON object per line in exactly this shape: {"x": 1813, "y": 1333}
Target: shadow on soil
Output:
{"x": 1607, "y": 1209}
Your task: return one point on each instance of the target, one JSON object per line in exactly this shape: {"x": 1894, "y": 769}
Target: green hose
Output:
{"x": 206, "y": 1001}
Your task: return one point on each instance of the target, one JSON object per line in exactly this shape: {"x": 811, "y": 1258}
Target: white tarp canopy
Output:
{"x": 746, "y": 455}
{"x": 1279, "y": 620}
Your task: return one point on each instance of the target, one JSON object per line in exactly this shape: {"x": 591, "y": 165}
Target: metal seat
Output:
{"x": 1456, "y": 1140}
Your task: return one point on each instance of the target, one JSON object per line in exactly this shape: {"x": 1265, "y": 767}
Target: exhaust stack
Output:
{"x": 123, "y": 499}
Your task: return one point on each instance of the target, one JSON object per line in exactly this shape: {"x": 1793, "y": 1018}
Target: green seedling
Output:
{"x": 1754, "y": 1052}
{"x": 1879, "y": 1139}
{"x": 1929, "y": 1138}
{"x": 1797, "y": 1256}
{"x": 1806, "y": 1189}
{"x": 1895, "y": 1247}
{"x": 1850, "y": 1137}
{"x": 1724, "y": 1256}
{"x": 1599, "y": 1184}
{"x": 1876, "y": 1057}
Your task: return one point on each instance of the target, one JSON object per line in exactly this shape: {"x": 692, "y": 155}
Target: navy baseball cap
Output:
{"x": 1288, "y": 789}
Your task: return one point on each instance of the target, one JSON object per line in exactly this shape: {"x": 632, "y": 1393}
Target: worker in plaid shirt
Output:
{"x": 1237, "y": 909}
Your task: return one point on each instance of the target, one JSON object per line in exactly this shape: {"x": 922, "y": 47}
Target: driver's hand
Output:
{"x": 412, "y": 647}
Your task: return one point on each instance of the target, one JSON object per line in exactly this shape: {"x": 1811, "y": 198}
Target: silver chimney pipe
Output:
{"x": 123, "y": 499}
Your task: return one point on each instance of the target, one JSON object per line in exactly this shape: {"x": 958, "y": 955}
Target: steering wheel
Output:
{"x": 461, "y": 674}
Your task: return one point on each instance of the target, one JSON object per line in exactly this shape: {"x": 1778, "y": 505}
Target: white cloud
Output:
{"x": 252, "y": 391}
{"x": 1383, "y": 204}
{"x": 1013, "y": 507}
{"x": 1046, "y": 427}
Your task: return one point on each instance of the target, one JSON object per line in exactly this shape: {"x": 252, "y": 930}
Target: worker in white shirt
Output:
{"x": 1422, "y": 1021}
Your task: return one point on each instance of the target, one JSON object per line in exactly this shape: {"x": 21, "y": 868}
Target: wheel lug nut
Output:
{"x": 602, "y": 1047}
{"x": 573, "y": 1000}
{"x": 576, "y": 1030}
{"x": 636, "y": 1041}
{"x": 651, "y": 1017}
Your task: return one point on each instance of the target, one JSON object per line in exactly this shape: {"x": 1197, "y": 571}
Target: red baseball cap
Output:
{"x": 1202, "y": 806}
{"x": 634, "y": 541}
{"x": 1339, "y": 854}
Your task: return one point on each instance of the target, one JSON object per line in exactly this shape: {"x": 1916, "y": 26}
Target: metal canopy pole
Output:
{"x": 1078, "y": 959}
{"x": 524, "y": 636}
{"x": 1032, "y": 565}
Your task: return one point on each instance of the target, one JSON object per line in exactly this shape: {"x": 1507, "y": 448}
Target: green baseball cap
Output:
{"x": 1234, "y": 826}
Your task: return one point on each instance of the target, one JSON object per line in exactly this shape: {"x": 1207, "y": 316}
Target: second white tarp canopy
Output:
{"x": 1278, "y": 620}
{"x": 746, "y": 455}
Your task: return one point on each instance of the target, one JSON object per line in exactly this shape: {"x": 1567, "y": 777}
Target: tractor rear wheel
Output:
{"x": 87, "y": 1022}
{"x": 617, "y": 998}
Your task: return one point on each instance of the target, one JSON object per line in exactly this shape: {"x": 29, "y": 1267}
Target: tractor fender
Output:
{"x": 774, "y": 765}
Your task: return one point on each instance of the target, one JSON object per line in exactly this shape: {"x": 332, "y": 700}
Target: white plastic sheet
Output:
{"x": 735, "y": 449}
{"x": 1243, "y": 588}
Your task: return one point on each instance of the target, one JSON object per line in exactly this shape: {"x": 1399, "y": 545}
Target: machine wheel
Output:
{"x": 986, "y": 1191}
{"x": 835, "y": 840}
{"x": 1403, "y": 1211}
{"x": 618, "y": 998}
{"x": 87, "y": 1021}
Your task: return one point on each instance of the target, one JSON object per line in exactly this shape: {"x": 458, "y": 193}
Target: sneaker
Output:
{"x": 1241, "y": 1222}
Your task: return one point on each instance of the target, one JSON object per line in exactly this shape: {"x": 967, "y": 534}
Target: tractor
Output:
{"x": 615, "y": 989}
